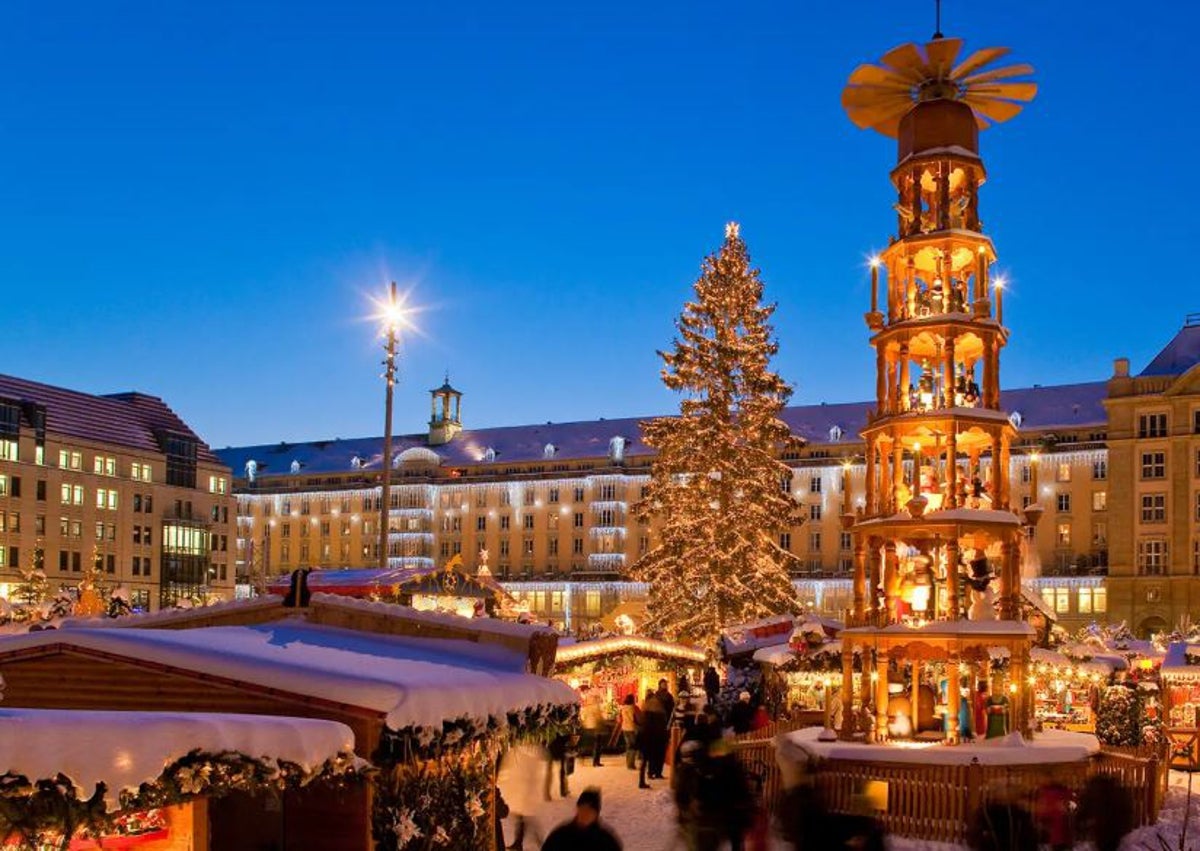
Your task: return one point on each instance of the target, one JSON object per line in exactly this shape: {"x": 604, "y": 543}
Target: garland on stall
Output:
{"x": 436, "y": 788}
{"x": 49, "y": 813}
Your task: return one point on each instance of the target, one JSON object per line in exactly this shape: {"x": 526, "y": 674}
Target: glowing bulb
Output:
{"x": 1012, "y": 687}
{"x": 983, "y": 249}
{"x": 874, "y": 261}
{"x": 1000, "y": 282}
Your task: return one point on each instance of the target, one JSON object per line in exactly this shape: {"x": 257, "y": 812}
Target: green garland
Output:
{"x": 435, "y": 792}
{"x": 50, "y": 812}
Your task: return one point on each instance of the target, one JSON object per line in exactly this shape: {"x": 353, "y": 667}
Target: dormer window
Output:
{"x": 835, "y": 434}
{"x": 489, "y": 455}
{"x": 616, "y": 449}
{"x": 1016, "y": 419}
{"x": 295, "y": 467}
{"x": 549, "y": 451}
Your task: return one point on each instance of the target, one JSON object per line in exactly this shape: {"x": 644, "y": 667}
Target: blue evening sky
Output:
{"x": 196, "y": 199}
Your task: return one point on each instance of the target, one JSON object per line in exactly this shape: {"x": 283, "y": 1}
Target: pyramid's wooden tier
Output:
{"x": 968, "y": 528}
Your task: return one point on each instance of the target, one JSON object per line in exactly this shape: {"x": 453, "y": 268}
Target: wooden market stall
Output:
{"x": 627, "y": 664}
{"x": 429, "y": 698}
{"x": 1181, "y": 684}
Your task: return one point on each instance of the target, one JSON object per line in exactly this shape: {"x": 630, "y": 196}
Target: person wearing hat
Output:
{"x": 584, "y": 832}
{"x": 742, "y": 714}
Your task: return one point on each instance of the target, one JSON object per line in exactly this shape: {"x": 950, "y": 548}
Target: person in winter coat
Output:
{"x": 1001, "y": 826}
{"x": 653, "y": 736}
{"x": 630, "y": 719}
{"x": 584, "y": 832}
{"x": 712, "y": 684}
{"x": 1052, "y": 809}
{"x": 761, "y": 718}
{"x": 1105, "y": 812}
{"x": 665, "y": 698}
{"x": 520, "y": 780}
{"x": 742, "y": 714}
{"x": 591, "y": 719}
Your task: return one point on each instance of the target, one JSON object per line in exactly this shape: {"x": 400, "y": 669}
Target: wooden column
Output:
{"x": 869, "y": 484}
{"x": 873, "y": 576}
{"x": 848, "y": 713}
{"x": 881, "y": 384}
{"x": 897, "y": 474}
{"x": 883, "y": 497}
{"x": 891, "y": 580}
{"x": 860, "y": 578}
{"x": 948, "y": 372}
{"x": 943, "y": 213}
{"x": 905, "y": 379}
{"x": 953, "y": 701}
{"x": 952, "y": 602}
{"x": 952, "y": 468}
{"x": 914, "y": 693}
{"x": 881, "y": 698}
{"x": 1010, "y": 582}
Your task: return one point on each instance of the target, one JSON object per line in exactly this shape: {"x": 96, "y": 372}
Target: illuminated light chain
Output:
{"x": 626, "y": 644}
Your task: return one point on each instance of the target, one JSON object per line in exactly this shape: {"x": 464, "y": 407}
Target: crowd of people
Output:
{"x": 719, "y": 804}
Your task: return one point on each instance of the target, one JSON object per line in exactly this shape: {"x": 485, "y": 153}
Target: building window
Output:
{"x": 814, "y": 541}
{"x": 1100, "y": 469}
{"x": 505, "y": 522}
{"x": 140, "y": 471}
{"x": 814, "y": 512}
{"x": 1026, "y": 474}
{"x": 608, "y": 491}
{"x": 1151, "y": 556}
{"x": 1196, "y": 556}
{"x": 552, "y": 547}
{"x": 217, "y": 484}
{"x": 578, "y": 520}
{"x": 1063, "y": 503}
{"x": 505, "y": 497}
{"x": 1099, "y": 500}
{"x": 69, "y": 460}
{"x": 1154, "y": 465}
{"x": 577, "y": 546}
{"x": 1085, "y": 601}
{"x": 644, "y": 544}
{"x": 1063, "y": 472}
{"x": 8, "y": 450}
{"x": 527, "y": 521}
{"x": 607, "y": 517}
{"x": 578, "y": 494}
{"x": 527, "y": 546}
{"x": 552, "y": 496}
{"x": 1062, "y": 600}
{"x": 481, "y": 524}
{"x": 1152, "y": 425}
{"x": 103, "y": 465}
{"x": 1099, "y": 534}
{"x": 814, "y": 484}
{"x": 785, "y": 541}
{"x": 504, "y": 549}
{"x": 1099, "y": 600}
{"x": 846, "y": 541}
{"x": 1197, "y": 498}
{"x": 1154, "y": 508}
{"x": 1063, "y": 535}
{"x": 552, "y": 521}
{"x": 1196, "y": 421}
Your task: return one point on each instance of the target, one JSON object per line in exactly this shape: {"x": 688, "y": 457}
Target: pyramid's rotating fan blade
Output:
{"x": 942, "y": 54}
{"x": 978, "y": 59}
{"x": 1004, "y": 73}
{"x": 879, "y": 114}
{"x": 873, "y": 75}
{"x": 1006, "y": 91}
{"x": 994, "y": 110}
{"x": 907, "y": 60}
{"x": 870, "y": 95}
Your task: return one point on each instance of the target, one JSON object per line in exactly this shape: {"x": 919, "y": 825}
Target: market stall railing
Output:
{"x": 935, "y": 802}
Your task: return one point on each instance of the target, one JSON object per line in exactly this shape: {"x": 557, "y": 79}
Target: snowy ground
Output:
{"x": 644, "y": 819}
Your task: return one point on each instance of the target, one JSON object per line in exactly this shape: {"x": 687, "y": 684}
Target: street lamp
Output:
{"x": 392, "y": 314}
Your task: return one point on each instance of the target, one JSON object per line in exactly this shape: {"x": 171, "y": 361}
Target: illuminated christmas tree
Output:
{"x": 716, "y": 479}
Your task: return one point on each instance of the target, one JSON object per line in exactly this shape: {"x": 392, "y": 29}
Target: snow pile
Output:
{"x": 122, "y": 750}
{"x": 413, "y": 681}
{"x": 1051, "y": 746}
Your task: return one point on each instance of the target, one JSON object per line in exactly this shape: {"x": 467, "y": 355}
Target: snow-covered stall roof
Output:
{"x": 1042, "y": 656}
{"x": 946, "y": 628}
{"x": 1176, "y": 665}
{"x": 412, "y": 681}
{"x": 747, "y": 637}
{"x": 123, "y": 750}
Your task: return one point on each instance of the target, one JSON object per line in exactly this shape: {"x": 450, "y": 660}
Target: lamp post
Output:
{"x": 391, "y": 316}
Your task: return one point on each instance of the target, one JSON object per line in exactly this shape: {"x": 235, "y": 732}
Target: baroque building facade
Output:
{"x": 118, "y": 481}
{"x": 551, "y": 503}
